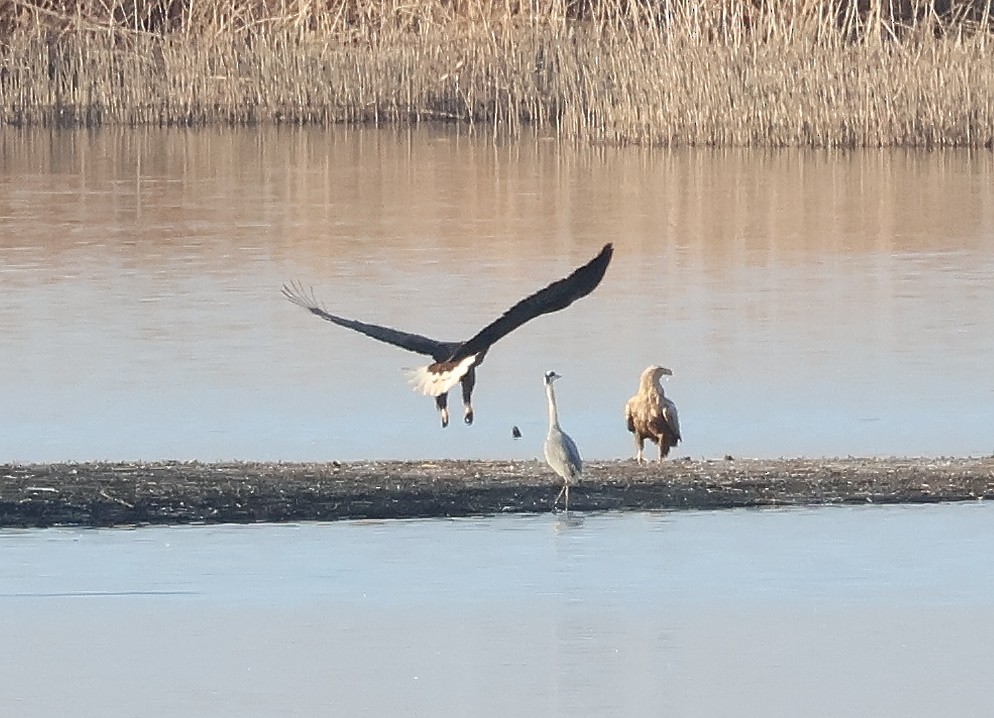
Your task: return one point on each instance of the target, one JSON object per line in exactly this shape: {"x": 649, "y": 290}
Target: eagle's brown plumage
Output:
{"x": 650, "y": 415}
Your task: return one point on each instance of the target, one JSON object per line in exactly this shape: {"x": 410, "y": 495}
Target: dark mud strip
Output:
{"x": 104, "y": 494}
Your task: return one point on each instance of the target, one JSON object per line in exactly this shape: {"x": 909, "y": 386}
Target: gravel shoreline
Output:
{"x": 129, "y": 494}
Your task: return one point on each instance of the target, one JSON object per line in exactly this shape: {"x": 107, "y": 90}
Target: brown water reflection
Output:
{"x": 808, "y": 302}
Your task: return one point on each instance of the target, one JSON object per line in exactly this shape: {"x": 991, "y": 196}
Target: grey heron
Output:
{"x": 651, "y": 415}
{"x": 456, "y": 362}
{"x": 560, "y": 449}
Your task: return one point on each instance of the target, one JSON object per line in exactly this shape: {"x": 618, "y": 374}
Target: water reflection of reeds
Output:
{"x": 810, "y": 302}
{"x": 726, "y": 72}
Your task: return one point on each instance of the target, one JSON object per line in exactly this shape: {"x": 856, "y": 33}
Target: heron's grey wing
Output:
{"x": 416, "y": 343}
{"x": 563, "y": 455}
{"x": 672, "y": 417}
{"x": 558, "y": 295}
{"x": 573, "y": 452}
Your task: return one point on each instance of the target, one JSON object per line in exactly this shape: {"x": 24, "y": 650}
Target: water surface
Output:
{"x": 842, "y": 611}
{"x": 809, "y": 303}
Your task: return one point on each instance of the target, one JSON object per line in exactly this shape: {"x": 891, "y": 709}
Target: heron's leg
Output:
{"x": 561, "y": 492}
{"x": 664, "y": 448}
{"x": 442, "y": 404}
{"x": 566, "y": 489}
{"x": 639, "y": 441}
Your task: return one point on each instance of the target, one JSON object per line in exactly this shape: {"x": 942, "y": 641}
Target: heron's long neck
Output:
{"x": 553, "y": 414}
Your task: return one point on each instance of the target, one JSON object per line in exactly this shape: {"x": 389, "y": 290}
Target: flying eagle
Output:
{"x": 456, "y": 362}
{"x": 650, "y": 415}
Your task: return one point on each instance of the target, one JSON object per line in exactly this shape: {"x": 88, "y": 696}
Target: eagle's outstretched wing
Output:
{"x": 558, "y": 295}
{"x": 452, "y": 360}
{"x": 416, "y": 343}
{"x": 437, "y": 378}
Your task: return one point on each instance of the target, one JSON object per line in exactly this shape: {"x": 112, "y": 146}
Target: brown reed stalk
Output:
{"x": 823, "y": 73}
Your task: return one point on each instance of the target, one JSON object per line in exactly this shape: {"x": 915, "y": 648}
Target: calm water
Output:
{"x": 830, "y": 612}
{"x": 809, "y": 303}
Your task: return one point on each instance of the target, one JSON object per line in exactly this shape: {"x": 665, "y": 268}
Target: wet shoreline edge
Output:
{"x": 161, "y": 493}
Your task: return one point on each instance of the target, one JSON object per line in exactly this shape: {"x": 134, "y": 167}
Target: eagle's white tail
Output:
{"x": 436, "y": 379}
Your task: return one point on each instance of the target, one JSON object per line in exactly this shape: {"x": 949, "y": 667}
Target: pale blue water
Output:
{"x": 809, "y": 303}
{"x": 840, "y": 611}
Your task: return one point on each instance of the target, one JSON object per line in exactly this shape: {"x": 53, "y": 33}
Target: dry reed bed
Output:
{"x": 679, "y": 72}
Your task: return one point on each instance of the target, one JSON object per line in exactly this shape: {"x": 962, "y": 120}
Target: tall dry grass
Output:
{"x": 822, "y": 73}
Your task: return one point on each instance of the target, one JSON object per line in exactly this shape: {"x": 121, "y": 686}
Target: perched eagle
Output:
{"x": 456, "y": 362}
{"x": 650, "y": 415}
